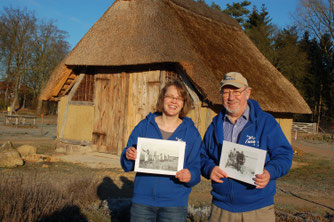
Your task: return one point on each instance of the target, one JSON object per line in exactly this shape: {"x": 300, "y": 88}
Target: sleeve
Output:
{"x": 193, "y": 160}
{"x": 128, "y": 165}
{"x": 280, "y": 151}
{"x": 208, "y": 149}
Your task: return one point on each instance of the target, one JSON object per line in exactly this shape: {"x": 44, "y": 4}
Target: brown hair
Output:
{"x": 187, "y": 100}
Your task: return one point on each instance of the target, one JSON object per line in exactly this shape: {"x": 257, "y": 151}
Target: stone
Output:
{"x": 26, "y": 150}
{"x": 9, "y": 156}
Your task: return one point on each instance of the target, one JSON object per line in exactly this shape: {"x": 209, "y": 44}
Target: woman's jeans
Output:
{"x": 145, "y": 213}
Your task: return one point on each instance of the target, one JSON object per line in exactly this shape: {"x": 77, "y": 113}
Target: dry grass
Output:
{"x": 70, "y": 192}
{"x": 307, "y": 192}
{"x": 46, "y": 192}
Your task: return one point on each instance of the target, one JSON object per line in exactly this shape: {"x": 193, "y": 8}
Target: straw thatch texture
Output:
{"x": 56, "y": 81}
{"x": 186, "y": 32}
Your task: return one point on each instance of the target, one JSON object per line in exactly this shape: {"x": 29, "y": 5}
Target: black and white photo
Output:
{"x": 242, "y": 162}
{"x": 159, "y": 156}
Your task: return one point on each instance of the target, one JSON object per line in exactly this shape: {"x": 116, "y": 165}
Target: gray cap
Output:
{"x": 234, "y": 79}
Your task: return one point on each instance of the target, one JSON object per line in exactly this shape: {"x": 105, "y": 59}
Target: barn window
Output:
{"x": 171, "y": 75}
{"x": 85, "y": 90}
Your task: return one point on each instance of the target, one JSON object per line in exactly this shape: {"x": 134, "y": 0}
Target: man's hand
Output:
{"x": 183, "y": 175}
{"x": 262, "y": 180}
{"x": 131, "y": 153}
{"x": 217, "y": 174}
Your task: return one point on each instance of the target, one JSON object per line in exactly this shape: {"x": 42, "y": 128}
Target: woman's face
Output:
{"x": 173, "y": 102}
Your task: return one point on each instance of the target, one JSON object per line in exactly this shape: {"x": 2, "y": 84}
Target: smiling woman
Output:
{"x": 155, "y": 195}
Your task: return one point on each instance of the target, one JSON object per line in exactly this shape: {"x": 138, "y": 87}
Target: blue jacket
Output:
{"x": 261, "y": 131}
{"x": 165, "y": 190}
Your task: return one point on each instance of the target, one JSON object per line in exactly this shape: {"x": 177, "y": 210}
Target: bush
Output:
{"x": 25, "y": 198}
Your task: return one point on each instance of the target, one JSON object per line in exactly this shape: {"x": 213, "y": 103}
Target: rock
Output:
{"x": 7, "y": 146}
{"x": 26, "y": 150}
{"x": 36, "y": 158}
{"x": 9, "y": 157}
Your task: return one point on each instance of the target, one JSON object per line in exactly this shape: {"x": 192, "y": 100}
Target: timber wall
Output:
{"x": 120, "y": 102}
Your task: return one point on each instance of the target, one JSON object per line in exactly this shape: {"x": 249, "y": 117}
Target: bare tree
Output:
{"x": 29, "y": 51}
{"x": 16, "y": 29}
{"x": 316, "y": 16}
{"x": 48, "y": 49}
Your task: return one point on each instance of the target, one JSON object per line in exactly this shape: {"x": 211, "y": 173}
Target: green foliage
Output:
{"x": 260, "y": 30}
{"x": 215, "y": 6}
{"x": 318, "y": 81}
{"x": 290, "y": 59}
{"x": 238, "y": 11}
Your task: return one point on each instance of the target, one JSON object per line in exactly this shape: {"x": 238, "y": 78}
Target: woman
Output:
{"x": 165, "y": 197}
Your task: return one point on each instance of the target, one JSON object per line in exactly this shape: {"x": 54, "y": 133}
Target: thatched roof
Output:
{"x": 133, "y": 32}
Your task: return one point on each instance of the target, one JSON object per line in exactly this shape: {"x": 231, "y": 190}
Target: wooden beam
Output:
{"x": 61, "y": 83}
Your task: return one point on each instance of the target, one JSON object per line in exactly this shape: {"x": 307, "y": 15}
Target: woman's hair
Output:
{"x": 187, "y": 100}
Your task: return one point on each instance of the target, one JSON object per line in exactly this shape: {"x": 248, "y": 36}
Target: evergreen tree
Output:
{"x": 238, "y": 11}
{"x": 291, "y": 60}
{"x": 318, "y": 82}
{"x": 260, "y": 30}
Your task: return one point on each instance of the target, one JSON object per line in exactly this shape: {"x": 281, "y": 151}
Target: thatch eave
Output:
{"x": 209, "y": 42}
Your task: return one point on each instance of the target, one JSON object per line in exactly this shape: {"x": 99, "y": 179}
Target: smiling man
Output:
{"x": 242, "y": 121}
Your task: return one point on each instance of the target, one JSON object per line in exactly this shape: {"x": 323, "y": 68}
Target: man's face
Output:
{"x": 235, "y": 99}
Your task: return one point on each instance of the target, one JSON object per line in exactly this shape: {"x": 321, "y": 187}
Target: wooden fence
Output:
{"x": 301, "y": 127}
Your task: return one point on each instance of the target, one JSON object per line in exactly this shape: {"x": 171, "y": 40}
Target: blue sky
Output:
{"x": 77, "y": 16}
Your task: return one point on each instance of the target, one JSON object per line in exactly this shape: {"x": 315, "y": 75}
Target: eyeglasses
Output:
{"x": 169, "y": 97}
{"x": 226, "y": 94}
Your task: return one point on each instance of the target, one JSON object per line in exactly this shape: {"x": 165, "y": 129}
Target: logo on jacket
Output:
{"x": 250, "y": 140}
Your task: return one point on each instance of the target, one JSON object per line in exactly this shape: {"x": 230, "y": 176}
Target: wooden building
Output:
{"x": 111, "y": 79}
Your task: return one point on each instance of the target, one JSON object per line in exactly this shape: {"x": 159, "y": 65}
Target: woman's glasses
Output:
{"x": 169, "y": 97}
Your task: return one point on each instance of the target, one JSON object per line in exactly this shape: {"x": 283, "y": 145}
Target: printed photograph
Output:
{"x": 159, "y": 156}
{"x": 242, "y": 162}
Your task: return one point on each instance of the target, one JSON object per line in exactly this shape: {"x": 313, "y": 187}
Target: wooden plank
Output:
{"x": 62, "y": 81}
{"x": 125, "y": 94}
{"x": 130, "y": 108}
{"x": 69, "y": 87}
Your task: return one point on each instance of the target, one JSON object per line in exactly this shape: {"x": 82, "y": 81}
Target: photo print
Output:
{"x": 242, "y": 162}
{"x": 159, "y": 156}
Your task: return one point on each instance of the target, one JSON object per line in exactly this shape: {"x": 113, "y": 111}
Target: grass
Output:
{"x": 319, "y": 137}
{"x": 307, "y": 192}
{"x": 57, "y": 191}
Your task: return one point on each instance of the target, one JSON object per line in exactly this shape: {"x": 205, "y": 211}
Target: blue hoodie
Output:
{"x": 261, "y": 131}
{"x": 165, "y": 190}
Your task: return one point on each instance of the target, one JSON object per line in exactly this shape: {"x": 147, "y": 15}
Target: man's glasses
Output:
{"x": 226, "y": 94}
{"x": 169, "y": 97}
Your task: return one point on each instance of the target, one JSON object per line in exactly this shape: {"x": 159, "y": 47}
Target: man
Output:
{"x": 242, "y": 121}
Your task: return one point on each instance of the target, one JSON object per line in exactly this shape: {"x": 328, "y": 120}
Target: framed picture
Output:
{"x": 159, "y": 156}
{"x": 242, "y": 162}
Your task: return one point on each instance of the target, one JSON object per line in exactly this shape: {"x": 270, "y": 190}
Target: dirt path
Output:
{"x": 47, "y": 133}
{"x": 315, "y": 147}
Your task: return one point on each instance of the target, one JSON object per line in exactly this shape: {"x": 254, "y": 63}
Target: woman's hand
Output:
{"x": 183, "y": 175}
{"x": 131, "y": 153}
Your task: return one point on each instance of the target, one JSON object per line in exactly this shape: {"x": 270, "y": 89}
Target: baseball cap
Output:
{"x": 234, "y": 79}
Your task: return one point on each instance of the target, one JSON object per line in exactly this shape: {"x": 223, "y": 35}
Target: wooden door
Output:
{"x": 110, "y": 109}
{"x": 121, "y": 101}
